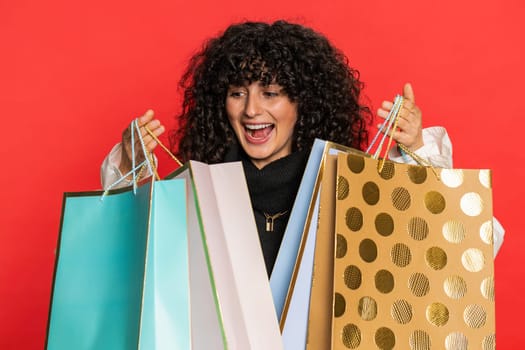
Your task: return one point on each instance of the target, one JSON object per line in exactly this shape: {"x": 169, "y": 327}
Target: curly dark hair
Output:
{"x": 311, "y": 71}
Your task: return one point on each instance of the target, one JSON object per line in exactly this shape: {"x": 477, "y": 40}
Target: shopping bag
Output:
{"x": 121, "y": 274}
{"x": 218, "y": 265}
{"x": 319, "y": 334}
{"x": 283, "y": 276}
{"x": 221, "y": 214}
{"x": 414, "y": 257}
{"x": 291, "y": 278}
{"x": 296, "y": 254}
{"x": 311, "y": 319}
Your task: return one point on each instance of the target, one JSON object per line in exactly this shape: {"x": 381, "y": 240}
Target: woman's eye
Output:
{"x": 236, "y": 94}
{"x": 271, "y": 93}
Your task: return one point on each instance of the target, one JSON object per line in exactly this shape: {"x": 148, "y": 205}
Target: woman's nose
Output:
{"x": 253, "y": 106}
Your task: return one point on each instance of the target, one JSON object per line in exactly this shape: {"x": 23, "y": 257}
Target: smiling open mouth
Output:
{"x": 258, "y": 131}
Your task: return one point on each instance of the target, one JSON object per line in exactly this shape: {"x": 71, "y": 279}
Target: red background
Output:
{"x": 73, "y": 74}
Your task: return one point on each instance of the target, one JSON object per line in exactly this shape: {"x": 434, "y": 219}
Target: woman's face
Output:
{"x": 263, "y": 118}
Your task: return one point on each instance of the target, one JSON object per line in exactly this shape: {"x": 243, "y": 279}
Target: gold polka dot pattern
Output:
{"x": 388, "y": 170}
{"x": 475, "y": 316}
{"x": 343, "y": 188}
{"x": 417, "y": 174}
{"x": 401, "y": 311}
{"x": 371, "y": 193}
{"x": 420, "y": 340}
{"x": 367, "y": 308}
{"x": 355, "y": 163}
{"x": 339, "y": 305}
{"x": 452, "y": 178}
{"x": 455, "y": 287}
{"x": 486, "y": 232}
{"x": 384, "y": 224}
{"x": 473, "y": 260}
{"x": 485, "y": 178}
{"x": 368, "y": 250}
{"x": 413, "y": 267}
{"x": 400, "y": 255}
{"x": 437, "y": 314}
{"x": 436, "y": 258}
{"x": 418, "y": 228}
{"x": 454, "y": 231}
{"x": 487, "y": 288}
{"x": 384, "y": 281}
{"x": 352, "y": 277}
{"x": 435, "y": 202}
{"x": 385, "y": 338}
{"x": 456, "y": 341}
{"x": 354, "y": 219}
{"x": 341, "y": 246}
{"x": 351, "y": 336}
{"x": 489, "y": 342}
{"x": 471, "y": 204}
{"x": 401, "y": 198}
{"x": 419, "y": 284}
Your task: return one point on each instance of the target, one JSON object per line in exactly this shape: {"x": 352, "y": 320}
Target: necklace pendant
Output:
{"x": 270, "y": 220}
{"x": 269, "y": 224}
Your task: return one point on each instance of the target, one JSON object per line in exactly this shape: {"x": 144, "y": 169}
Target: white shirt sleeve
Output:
{"x": 437, "y": 149}
{"x": 499, "y": 234}
{"x": 110, "y": 172}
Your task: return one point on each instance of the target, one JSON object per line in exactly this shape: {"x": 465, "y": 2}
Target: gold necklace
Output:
{"x": 270, "y": 219}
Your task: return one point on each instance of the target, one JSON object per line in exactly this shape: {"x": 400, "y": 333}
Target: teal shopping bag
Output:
{"x": 121, "y": 275}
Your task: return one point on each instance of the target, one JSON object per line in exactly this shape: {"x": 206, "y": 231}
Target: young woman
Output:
{"x": 261, "y": 93}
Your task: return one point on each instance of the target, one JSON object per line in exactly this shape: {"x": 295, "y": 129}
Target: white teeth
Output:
{"x": 256, "y": 126}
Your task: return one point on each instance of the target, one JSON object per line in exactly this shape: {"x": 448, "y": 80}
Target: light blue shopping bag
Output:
{"x": 121, "y": 277}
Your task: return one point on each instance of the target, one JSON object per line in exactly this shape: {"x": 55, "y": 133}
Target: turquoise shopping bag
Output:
{"x": 121, "y": 277}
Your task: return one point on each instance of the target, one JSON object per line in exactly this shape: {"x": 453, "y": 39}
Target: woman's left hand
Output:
{"x": 409, "y": 129}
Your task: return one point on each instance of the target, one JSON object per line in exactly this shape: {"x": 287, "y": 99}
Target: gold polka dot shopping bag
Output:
{"x": 413, "y": 264}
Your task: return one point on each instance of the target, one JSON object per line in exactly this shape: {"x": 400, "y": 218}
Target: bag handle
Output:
{"x": 179, "y": 163}
{"x": 389, "y": 125}
{"x": 419, "y": 160}
{"x": 137, "y": 171}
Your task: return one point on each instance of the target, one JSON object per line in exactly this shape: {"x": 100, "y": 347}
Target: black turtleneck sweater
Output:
{"x": 272, "y": 192}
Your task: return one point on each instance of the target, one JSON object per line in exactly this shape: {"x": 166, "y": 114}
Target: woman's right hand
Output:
{"x": 409, "y": 127}
{"x": 154, "y": 125}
